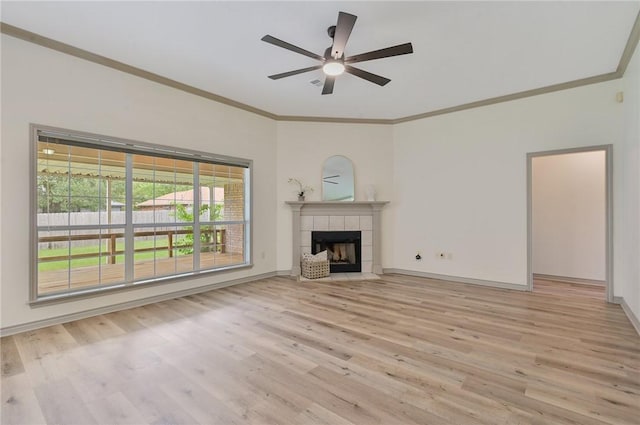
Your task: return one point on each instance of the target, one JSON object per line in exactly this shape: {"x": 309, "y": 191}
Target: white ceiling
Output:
{"x": 463, "y": 51}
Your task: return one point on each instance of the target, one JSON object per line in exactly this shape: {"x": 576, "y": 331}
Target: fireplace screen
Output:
{"x": 343, "y": 249}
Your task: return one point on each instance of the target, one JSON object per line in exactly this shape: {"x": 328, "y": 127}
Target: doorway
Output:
{"x": 569, "y": 222}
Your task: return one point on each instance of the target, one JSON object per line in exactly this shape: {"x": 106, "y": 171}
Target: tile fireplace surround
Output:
{"x": 336, "y": 216}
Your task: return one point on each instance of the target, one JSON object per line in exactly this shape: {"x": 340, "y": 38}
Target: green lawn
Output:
{"x": 93, "y": 261}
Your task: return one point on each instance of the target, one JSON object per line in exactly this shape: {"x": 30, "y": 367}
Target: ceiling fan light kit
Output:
{"x": 334, "y": 63}
{"x": 333, "y": 68}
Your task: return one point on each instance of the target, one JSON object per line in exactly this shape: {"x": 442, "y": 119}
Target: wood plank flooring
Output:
{"x": 569, "y": 289}
{"x": 399, "y": 350}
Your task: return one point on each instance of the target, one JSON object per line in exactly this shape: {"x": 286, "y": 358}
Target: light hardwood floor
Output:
{"x": 398, "y": 350}
{"x": 569, "y": 289}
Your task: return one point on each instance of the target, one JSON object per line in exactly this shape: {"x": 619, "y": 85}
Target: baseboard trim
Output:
{"x": 568, "y": 279}
{"x": 627, "y": 310}
{"x": 283, "y": 272}
{"x": 458, "y": 279}
{"x": 25, "y": 327}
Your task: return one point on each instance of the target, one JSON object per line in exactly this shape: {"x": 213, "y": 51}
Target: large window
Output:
{"x": 115, "y": 213}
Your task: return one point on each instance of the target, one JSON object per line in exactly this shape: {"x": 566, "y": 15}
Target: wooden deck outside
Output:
{"x": 83, "y": 277}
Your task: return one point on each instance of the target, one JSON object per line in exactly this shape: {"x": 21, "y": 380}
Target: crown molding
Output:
{"x": 296, "y": 118}
{"x": 630, "y": 47}
{"x": 514, "y": 96}
{"x": 120, "y": 66}
{"x": 49, "y": 43}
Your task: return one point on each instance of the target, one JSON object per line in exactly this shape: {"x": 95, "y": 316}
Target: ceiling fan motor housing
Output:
{"x": 328, "y": 53}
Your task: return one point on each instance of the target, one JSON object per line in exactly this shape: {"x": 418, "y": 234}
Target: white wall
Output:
{"x": 45, "y": 87}
{"x": 2, "y": 160}
{"x": 303, "y": 148}
{"x": 569, "y": 215}
{"x": 457, "y": 182}
{"x": 461, "y": 178}
{"x": 627, "y": 183}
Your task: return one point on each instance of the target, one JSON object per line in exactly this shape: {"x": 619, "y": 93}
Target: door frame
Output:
{"x": 608, "y": 153}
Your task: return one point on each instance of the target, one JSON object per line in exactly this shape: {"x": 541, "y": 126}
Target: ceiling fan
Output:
{"x": 333, "y": 62}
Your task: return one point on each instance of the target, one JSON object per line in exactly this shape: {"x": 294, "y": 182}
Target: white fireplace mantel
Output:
{"x": 336, "y": 209}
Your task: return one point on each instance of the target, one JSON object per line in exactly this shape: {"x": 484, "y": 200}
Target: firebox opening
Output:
{"x": 343, "y": 249}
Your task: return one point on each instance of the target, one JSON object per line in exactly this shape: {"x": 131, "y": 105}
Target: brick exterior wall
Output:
{"x": 234, "y": 210}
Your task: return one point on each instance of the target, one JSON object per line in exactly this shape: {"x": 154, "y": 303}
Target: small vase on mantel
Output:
{"x": 370, "y": 192}
{"x": 301, "y": 198}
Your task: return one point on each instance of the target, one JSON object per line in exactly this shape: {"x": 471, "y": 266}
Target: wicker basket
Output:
{"x": 314, "y": 269}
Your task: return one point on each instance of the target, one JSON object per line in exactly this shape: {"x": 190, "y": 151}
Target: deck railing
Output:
{"x": 217, "y": 243}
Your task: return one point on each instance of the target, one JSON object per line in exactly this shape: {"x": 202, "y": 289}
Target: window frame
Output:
{"x": 132, "y": 147}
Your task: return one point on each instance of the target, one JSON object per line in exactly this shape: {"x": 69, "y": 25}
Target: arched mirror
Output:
{"x": 337, "y": 179}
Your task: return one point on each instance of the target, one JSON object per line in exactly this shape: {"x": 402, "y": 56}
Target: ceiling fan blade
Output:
{"x": 376, "y": 79}
{"x": 345, "y": 24}
{"x": 296, "y": 72}
{"x": 328, "y": 84}
{"x": 400, "y": 49}
{"x": 277, "y": 42}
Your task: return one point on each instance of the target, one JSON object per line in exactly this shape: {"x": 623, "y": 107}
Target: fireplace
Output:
{"x": 362, "y": 216}
{"x": 343, "y": 249}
